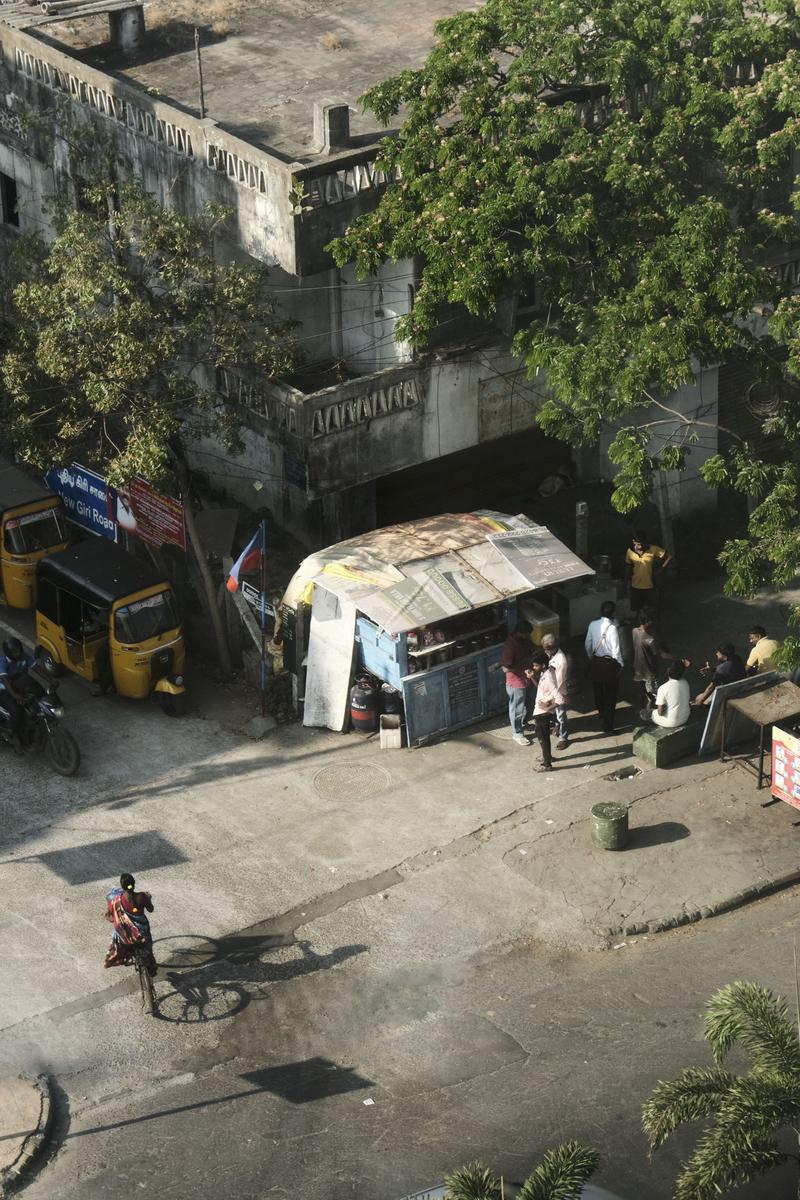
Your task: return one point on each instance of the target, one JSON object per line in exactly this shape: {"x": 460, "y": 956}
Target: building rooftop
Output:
{"x": 266, "y": 62}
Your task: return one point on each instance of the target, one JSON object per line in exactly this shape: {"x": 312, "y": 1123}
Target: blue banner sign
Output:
{"x": 85, "y": 499}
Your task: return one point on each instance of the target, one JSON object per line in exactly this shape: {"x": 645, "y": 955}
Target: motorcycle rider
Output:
{"x": 14, "y": 667}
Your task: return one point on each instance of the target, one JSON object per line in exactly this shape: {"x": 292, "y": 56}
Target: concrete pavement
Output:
{"x": 283, "y": 866}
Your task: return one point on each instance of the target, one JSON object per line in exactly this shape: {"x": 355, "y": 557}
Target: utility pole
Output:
{"x": 199, "y": 73}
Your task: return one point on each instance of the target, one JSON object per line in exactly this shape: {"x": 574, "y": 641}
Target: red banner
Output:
{"x": 141, "y": 510}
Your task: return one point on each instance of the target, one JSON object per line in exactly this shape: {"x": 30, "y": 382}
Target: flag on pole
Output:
{"x": 249, "y": 560}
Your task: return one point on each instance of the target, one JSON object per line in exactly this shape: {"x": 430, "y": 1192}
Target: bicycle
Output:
{"x": 140, "y": 956}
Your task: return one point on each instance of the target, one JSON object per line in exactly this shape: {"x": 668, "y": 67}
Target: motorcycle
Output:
{"x": 42, "y": 711}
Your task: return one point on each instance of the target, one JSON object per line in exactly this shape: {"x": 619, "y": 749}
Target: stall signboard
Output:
{"x": 147, "y": 514}
{"x": 84, "y": 495}
{"x": 785, "y": 767}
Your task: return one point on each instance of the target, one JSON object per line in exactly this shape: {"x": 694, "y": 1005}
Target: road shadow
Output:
{"x": 224, "y": 987}
{"x": 298, "y": 1083}
{"x": 657, "y": 835}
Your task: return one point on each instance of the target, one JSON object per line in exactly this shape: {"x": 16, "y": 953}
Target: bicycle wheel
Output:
{"x": 146, "y": 984}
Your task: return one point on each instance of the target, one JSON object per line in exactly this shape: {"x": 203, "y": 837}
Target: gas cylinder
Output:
{"x": 364, "y": 705}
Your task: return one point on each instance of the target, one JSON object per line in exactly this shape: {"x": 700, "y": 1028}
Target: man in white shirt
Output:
{"x": 605, "y": 663}
{"x": 558, "y": 666}
{"x": 673, "y": 699}
{"x": 544, "y": 679}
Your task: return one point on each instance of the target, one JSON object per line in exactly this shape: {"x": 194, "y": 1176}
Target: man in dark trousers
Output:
{"x": 515, "y": 660}
{"x": 605, "y": 663}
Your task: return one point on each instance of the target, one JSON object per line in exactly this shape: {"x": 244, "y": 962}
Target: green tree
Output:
{"x": 632, "y": 161}
{"x": 746, "y": 1112}
{"x": 113, "y": 332}
{"x": 560, "y": 1176}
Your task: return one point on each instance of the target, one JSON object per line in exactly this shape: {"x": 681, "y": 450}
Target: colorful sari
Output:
{"x": 126, "y": 912}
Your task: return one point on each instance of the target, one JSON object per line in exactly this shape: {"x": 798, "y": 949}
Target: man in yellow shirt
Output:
{"x": 645, "y": 562}
{"x": 760, "y": 657}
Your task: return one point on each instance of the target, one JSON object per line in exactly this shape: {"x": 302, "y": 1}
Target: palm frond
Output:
{"x": 720, "y": 1163}
{"x": 561, "y": 1173}
{"x": 473, "y": 1182}
{"x": 695, "y": 1093}
{"x": 752, "y": 1016}
{"x": 759, "y": 1104}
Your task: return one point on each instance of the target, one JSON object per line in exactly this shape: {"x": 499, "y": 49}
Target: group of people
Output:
{"x": 536, "y": 677}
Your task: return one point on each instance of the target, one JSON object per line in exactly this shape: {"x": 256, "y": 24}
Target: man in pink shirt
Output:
{"x": 558, "y": 666}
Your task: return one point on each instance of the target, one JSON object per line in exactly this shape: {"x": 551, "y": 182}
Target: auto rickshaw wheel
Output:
{"x": 172, "y": 705}
{"x": 62, "y": 752}
{"x": 50, "y": 665}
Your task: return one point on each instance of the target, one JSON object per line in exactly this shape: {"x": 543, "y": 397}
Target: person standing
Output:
{"x": 605, "y": 663}
{"x": 644, "y": 563}
{"x": 673, "y": 699}
{"x": 515, "y": 660}
{"x": 763, "y": 649}
{"x": 544, "y": 707}
{"x": 557, "y": 661}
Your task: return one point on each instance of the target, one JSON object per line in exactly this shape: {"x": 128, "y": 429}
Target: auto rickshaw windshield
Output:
{"x": 34, "y": 531}
{"x": 148, "y": 618}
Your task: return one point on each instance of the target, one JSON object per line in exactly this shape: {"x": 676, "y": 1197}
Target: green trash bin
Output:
{"x": 609, "y": 826}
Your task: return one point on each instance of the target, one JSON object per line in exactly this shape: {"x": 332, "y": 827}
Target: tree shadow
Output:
{"x": 657, "y": 835}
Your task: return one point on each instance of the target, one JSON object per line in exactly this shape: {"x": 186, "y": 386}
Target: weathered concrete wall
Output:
{"x": 369, "y": 309}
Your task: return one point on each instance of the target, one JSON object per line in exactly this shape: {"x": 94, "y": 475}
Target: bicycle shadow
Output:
{"x": 221, "y": 988}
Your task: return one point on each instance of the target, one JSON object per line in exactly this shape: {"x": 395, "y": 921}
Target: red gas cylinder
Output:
{"x": 364, "y": 705}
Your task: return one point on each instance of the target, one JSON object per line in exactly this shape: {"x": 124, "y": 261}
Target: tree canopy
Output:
{"x": 112, "y": 329}
{"x": 633, "y": 161}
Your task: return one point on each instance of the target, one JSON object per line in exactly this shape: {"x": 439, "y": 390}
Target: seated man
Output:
{"x": 673, "y": 699}
{"x": 760, "y": 657}
{"x": 728, "y": 668}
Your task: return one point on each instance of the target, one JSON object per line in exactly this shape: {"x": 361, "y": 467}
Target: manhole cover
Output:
{"x": 346, "y": 781}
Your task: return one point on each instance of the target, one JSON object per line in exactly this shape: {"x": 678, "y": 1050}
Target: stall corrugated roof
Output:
{"x": 404, "y": 576}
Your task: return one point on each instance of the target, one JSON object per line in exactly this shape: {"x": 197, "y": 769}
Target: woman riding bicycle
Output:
{"x": 126, "y": 909}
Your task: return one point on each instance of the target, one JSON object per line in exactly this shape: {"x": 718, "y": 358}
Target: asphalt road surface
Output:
{"x": 278, "y": 1072}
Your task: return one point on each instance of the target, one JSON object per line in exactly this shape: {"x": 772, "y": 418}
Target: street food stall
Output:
{"x": 424, "y": 608}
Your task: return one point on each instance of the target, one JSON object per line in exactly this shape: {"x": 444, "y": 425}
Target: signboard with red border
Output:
{"x": 147, "y": 514}
{"x": 785, "y": 767}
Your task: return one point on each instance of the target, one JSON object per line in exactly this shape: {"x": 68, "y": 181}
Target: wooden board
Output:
{"x": 736, "y": 727}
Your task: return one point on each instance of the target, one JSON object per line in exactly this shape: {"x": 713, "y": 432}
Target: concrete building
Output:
{"x": 282, "y": 142}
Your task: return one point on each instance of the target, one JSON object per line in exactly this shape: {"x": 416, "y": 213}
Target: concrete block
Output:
{"x": 331, "y": 126}
{"x": 259, "y": 727}
{"x": 660, "y": 746}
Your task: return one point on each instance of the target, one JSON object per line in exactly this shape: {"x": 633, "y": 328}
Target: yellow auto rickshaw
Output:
{"x": 32, "y": 525}
{"x": 106, "y": 616}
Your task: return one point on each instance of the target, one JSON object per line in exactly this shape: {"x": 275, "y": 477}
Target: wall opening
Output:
{"x": 9, "y": 212}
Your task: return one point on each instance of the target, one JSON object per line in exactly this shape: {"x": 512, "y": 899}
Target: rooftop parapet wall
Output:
{"x": 223, "y": 168}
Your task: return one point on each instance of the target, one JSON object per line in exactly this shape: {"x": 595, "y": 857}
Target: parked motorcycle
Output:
{"x": 40, "y": 730}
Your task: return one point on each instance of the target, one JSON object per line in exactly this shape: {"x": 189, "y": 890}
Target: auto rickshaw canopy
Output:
{"x": 99, "y": 572}
{"x": 17, "y": 488}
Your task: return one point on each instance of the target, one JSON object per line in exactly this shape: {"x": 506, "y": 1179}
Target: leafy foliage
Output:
{"x": 746, "y": 1111}
{"x": 115, "y": 328}
{"x": 632, "y": 160}
{"x": 560, "y": 1176}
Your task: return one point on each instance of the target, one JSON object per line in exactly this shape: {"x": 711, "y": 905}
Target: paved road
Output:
{"x": 262, "y": 1092}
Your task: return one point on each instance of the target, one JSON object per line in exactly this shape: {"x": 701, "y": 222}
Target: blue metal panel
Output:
{"x": 380, "y": 653}
{"x": 424, "y": 698}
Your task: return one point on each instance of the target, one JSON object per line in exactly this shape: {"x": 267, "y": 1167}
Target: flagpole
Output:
{"x": 263, "y": 601}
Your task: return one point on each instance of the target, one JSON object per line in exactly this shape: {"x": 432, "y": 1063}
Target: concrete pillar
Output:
{"x": 331, "y": 126}
{"x": 126, "y": 27}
